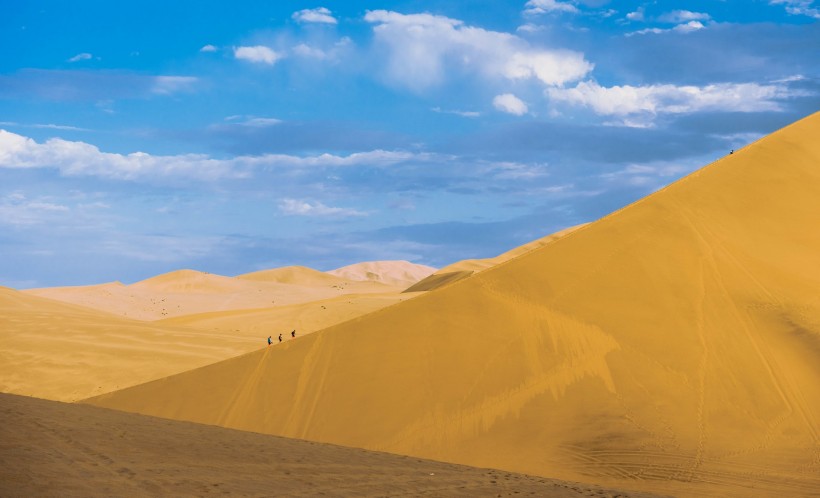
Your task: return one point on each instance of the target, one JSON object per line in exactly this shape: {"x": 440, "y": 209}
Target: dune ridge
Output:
{"x": 670, "y": 346}
{"x": 395, "y": 273}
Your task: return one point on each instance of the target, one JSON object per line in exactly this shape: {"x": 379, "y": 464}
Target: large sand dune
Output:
{"x": 64, "y": 352}
{"x": 57, "y": 449}
{"x": 671, "y": 346}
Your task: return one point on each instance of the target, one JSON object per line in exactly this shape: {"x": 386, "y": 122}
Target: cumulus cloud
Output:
{"x": 305, "y": 208}
{"x": 81, "y": 159}
{"x": 319, "y": 15}
{"x": 258, "y": 54}
{"x": 536, "y": 7}
{"x": 208, "y": 48}
{"x": 798, "y": 7}
{"x": 683, "y": 16}
{"x": 511, "y": 104}
{"x": 422, "y": 47}
{"x": 671, "y": 99}
{"x": 80, "y": 57}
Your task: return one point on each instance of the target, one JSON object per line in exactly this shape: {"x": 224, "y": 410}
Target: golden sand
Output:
{"x": 671, "y": 346}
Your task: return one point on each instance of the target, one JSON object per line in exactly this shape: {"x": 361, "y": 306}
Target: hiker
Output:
{"x": 269, "y": 341}
{"x": 280, "y": 337}
{"x": 293, "y": 333}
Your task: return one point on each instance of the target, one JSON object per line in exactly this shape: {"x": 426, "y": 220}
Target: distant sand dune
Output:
{"x": 671, "y": 346}
{"x": 395, "y": 273}
{"x": 186, "y": 292}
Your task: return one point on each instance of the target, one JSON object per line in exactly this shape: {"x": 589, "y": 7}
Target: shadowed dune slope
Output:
{"x": 58, "y": 449}
{"x": 672, "y": 346}
{"x": 60, "y": 351}
{"x": 465, "y": 268}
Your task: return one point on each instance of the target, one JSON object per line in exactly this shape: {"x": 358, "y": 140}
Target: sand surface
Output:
{"x": 186, "y": 292}
{"x": 56, "y": 449}
{"x": 394, "y": 273}
{"x": 672, "y": 346}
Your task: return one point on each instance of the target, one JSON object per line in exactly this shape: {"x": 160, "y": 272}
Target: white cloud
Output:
{"x": 637, "y": 15}
{"x": 257, "y": 53}
{"x": 49, "y": 126}
{"x": 798, "y": 7}
{"x": 80, "y": 57}
{"x": 535, "y": 7}
{"x": 208, "y": 48}
{"x": 166, "y": 85}
{"x": 671, "y": 99}
{"x": 421, "y": 48}
{"x": 305, "y": 208}
{"x": 683, "y": 16}
{"x": 253, "y": 122}
{"x": 511, "y": 104}
{"x": 681, "y": 28}
{"x": 82, "y": 159}
{"x": 320, "y": 15}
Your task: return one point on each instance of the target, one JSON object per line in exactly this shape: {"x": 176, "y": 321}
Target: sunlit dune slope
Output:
{"x": 65, "y": 352}
{"x": 465, "y": 268}
{"x": 305, "y": 318}
{"x": 395, "y": 273}
{"x": 672, "y": 346}
{"x": 186, "y": 292}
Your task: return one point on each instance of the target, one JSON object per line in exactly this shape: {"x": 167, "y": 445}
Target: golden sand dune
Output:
{"x": 49, "y": 449}
{"x": 60, "y": 351}
{"x": 305, "y": 318}
{"x": 186, "y": 292}
{"x": 394, "y": 273}
{"x": 671, "y": 346}
{"x": 465, "y": 268}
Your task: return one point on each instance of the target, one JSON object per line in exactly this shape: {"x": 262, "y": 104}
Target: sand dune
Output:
{"x": 395, "y": 273}
{"x": 56, "y": 449}
{"x": 671, "y": 346}
{"x": 463, "y": 269}
{"x": 65, "y": 352}
{"x": 186, "y": 292}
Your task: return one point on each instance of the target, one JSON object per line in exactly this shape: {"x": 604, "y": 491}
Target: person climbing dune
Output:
{"x": 280, "y": 337}
{"x": 293, "y": 333}
{"x": 269, "y": 341}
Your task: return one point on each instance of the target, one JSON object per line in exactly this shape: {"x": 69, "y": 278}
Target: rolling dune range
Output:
{"x": 671, "y": 347}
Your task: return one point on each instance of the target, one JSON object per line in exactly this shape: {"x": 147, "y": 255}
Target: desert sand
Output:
{"x": 57, "y": 449}
{"x": 464, "y": 268}
{"x": 186, "y": 292}
{"x": 394, "y": 273}
{"x": 671, "y": 347}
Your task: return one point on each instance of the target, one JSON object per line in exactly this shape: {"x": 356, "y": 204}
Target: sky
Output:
{"x": 143, "y": 137}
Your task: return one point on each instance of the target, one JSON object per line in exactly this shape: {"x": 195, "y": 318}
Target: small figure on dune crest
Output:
{"x": 280, "y": 337}
{"x": 293, "y": 333}
{"x": 269, "y": 341}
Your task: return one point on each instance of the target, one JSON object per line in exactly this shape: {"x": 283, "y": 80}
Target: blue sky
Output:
{"x": 142, "y": 137}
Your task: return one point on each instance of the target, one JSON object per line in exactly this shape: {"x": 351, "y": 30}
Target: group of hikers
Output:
{"x": 292, "y": 335}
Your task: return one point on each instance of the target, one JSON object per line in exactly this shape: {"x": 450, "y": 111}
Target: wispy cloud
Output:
{"x": 799, "y": 7}
{"x": 683, "y": 16}
{"x": 81, "y": 57}
{"x": 536, "y": 7}
{"x": 73, "y": 158}
{"x": 672, "y": 99}
{"x": 422, "y": 48}
{"x": 305, "y": 208}
{"x": 258, "y": 53}
{"x": 680, "y": 28}
{"x": 166, "y": 85}
{"x": 47, "y": 126}
{"x": 17, "y": 210}
{"x": 320, "y": 15}
{"x": 208, "y": 48}
{"x": 465, "y": 114}
{"x": 253, "y": 121}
